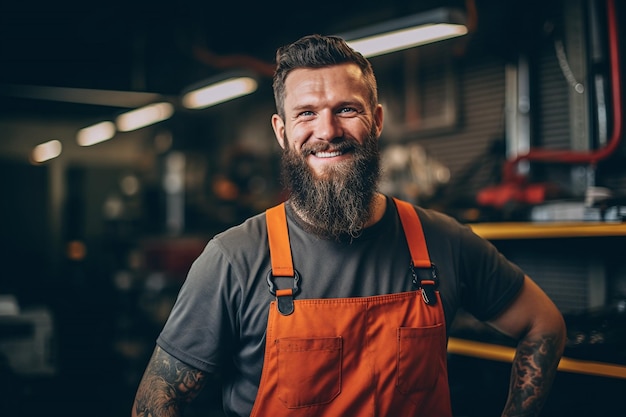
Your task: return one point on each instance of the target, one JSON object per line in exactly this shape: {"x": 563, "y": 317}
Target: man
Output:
{"x": 337, "y": 302}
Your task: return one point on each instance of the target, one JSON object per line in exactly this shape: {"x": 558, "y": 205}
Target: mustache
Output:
{"x": 338, "y": 145}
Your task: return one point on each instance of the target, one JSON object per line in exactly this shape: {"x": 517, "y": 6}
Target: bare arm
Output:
{"x": 166, "y": 387}
{"x": 537, "y": 323}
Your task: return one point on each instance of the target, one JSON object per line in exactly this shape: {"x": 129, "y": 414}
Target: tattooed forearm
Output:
{"x": 167, "y": 386}
{"x": 534, "y": 369}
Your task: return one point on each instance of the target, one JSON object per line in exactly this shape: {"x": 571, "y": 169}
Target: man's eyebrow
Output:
{"x": 345, "y": 103}
{"x": 350, "y": 103}
{"x": 300, "y": 107}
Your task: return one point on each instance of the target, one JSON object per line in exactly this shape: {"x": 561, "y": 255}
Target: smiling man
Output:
{"x": 336, "y": 302}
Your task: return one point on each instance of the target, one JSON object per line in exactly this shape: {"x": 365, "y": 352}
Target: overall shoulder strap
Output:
{"x": 414, "y": 234}
{"x": 280, "y": 258}
{"x": 420, "y": 260}
{"x": 278, "y": 237}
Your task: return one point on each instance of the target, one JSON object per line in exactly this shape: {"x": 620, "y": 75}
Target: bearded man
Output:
{"x": 336, "y": 302}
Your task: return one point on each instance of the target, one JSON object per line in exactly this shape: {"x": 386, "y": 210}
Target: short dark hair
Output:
{"x": 317, "y": 51}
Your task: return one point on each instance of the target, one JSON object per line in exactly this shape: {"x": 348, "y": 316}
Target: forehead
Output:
{"x": 343, "y": 79}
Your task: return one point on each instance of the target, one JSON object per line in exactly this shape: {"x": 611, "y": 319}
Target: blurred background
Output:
{"x": 513, "y": 126}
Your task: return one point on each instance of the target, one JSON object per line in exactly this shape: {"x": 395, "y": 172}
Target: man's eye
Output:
{"x": 306, "y": 113}
{"x": 347, "y": 110}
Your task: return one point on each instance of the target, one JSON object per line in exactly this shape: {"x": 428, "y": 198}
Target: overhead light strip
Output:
{"x": 219, "y": 92}
{"x": 144, "y": 116}
{"x": 96, "y": 133}
{"x": 46, "y": 151}
{"x": 407, "y": 32}
{"x": 406, "y": 38}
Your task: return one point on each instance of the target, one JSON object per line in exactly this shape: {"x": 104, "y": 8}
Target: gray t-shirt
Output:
{"x": 218, "y": 322}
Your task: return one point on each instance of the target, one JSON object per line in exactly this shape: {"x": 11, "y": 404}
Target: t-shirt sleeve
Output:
{"x": 201, "y": 324}
{"x": 489, "y": 281}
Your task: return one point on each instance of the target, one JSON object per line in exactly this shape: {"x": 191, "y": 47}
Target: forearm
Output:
{"x": 166, "y": 387}
{"x": 538, "y": 325}
{"x": 532, "y": 374}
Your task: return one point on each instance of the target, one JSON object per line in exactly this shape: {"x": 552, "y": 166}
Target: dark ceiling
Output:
{"x": 159, "y": 47}
{"x": 164, "y": 47}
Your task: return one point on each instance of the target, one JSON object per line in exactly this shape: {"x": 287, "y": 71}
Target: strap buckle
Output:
{"x": 284, "y": 297}
{"x": 428, "y": 284}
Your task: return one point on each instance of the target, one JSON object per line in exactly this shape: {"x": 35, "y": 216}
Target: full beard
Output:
{"x": 338, "y": 203}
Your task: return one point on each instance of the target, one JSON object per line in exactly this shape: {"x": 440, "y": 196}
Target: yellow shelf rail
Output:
{"x": 542, "y": 230}
{"x": 500, "y": 353}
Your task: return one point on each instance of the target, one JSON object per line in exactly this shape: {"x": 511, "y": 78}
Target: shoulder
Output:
{"x": 437, "y": 218}
{"x": 445, "y": 233}
{"x": 248, "y": 234}
{"x": 441, "y": 224}
{"x": 233, "y": 245}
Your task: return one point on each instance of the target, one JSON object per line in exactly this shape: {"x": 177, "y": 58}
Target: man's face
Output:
{"x": 325, "y": 110}
{"x": 331, "y": 164}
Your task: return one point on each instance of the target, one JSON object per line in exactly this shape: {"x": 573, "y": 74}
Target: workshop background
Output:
{"x": 516, "y": 126}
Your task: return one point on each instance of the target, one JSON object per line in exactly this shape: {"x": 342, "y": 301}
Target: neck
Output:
{"x": 379, "y": 205}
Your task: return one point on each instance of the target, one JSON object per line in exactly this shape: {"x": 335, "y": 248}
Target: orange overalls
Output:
{"x": 373, "y": 356}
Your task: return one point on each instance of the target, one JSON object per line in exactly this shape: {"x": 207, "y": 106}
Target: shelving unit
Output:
{"x": 541, "y": 230}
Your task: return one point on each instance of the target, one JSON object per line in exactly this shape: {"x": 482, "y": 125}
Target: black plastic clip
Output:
{"x": 428, "y": 284}
{"x": 284, "y": 297}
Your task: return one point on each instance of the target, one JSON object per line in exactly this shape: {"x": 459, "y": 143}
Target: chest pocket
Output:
{"x": 417, "y": 369}
{"x": 309, "y": 370}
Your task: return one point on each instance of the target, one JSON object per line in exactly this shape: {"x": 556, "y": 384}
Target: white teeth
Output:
{"x": 327, "y": 154}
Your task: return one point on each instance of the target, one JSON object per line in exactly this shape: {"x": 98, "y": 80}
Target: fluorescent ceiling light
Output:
{"x": 95, "y": 134}
{"x": 406, "y": 38}
{"x": 219, "y": 92}
{"x": 407, "y": 32}
{"x": 144, "y": 116}
{"x": 46, "y": 151}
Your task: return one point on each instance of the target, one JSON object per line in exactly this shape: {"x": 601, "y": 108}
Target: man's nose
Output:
{"x": 328, "y": 126}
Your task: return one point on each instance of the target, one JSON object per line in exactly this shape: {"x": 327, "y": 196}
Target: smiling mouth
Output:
{"x": 327, "y": 154}
{"x": 333, "y": 152}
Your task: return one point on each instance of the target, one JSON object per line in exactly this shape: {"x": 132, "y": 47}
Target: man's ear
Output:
{"x": 378, "y": 119}
{"x": 279, "y": 129}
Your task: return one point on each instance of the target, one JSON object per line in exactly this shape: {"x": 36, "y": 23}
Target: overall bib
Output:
{"x": 373, "y": 356}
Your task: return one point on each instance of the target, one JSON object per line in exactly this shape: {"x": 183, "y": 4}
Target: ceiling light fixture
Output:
{"x": 407, "y": 32}
{"x": 219, "y": 90}
{"x": 144, "y": 116}
{"x": 46, "y": 151}
{"x": 95, "y": 133}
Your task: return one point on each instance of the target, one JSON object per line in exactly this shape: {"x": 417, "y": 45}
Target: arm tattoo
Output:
{"x": 534, "y": 369}
{"x": 167, "y": 386}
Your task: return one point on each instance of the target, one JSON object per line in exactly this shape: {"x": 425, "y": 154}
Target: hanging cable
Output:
{"x": 565, "y": 68}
